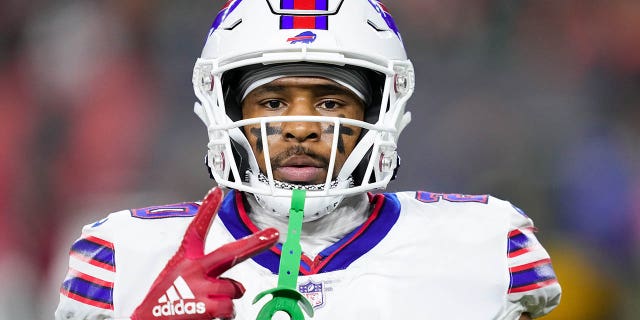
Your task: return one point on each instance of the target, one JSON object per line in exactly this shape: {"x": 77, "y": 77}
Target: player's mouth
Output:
{"x": 300, "y": 169}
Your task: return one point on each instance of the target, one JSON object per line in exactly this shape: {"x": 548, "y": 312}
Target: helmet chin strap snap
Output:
{"x": 315, "y": 208}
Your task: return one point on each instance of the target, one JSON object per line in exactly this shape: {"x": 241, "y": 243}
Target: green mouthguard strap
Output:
{"x": 285, "y": 296}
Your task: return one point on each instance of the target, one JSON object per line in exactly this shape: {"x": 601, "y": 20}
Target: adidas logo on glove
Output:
{"x": 173, "y": 301}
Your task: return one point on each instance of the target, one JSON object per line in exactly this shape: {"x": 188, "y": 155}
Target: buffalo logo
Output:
{"x": 304, "y": 37}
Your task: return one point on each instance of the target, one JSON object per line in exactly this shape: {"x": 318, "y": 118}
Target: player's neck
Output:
{"x": 321, "y": 233}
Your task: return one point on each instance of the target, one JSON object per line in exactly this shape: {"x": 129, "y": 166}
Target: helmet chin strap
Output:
{"x": 315, "y": 207}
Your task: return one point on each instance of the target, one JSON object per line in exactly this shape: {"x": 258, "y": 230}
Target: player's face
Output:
{"x": 300, "y": 151}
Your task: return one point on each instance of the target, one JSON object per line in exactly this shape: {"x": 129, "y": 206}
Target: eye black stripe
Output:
{"x": 271, "y": 131}
{"x": 343, "y": 130}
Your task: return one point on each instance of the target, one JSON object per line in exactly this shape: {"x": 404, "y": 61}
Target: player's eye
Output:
{"x": 329, "y": 104}
{"x": 273, "y": 104}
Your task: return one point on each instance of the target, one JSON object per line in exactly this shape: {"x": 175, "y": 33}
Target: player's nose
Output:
{"x": 302, "y": 131}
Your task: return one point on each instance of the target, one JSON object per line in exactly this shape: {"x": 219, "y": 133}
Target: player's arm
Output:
{"x": 87, "y": 289}
{"x": 534, "y": 289}
{"x": 191, "y": 268}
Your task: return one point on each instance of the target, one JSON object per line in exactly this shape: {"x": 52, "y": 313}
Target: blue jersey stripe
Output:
{"x": 532, "y": 275}
{"x": 517, "y": 242}
{"x": 89, "y": 290}
{"x": 94, "y": 251}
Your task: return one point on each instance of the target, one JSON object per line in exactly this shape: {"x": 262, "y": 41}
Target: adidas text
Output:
{"x": 178, "y": 308}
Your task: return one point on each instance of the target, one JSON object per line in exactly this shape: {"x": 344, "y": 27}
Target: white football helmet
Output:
{"x": 354, "y": 33}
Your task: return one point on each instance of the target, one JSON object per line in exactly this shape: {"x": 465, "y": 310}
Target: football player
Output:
{"x": 309, "y": 95}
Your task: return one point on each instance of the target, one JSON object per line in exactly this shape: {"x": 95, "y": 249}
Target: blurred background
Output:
{"x": 537, "y": 102}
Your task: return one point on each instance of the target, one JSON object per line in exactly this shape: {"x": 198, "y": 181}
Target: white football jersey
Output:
{"x": 420, "y": 255}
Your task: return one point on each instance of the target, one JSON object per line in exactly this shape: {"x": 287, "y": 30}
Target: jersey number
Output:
{"x": 430, "y": 197}
{"x": 174, "y": 210}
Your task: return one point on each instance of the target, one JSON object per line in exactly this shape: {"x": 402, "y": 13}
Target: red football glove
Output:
{"x": 189, "y": 286}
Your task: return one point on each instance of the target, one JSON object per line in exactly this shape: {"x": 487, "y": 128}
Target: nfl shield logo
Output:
{"x": 314, "y": 292}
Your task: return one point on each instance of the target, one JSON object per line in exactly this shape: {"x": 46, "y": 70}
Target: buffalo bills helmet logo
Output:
{"x": 304, "y": 37}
